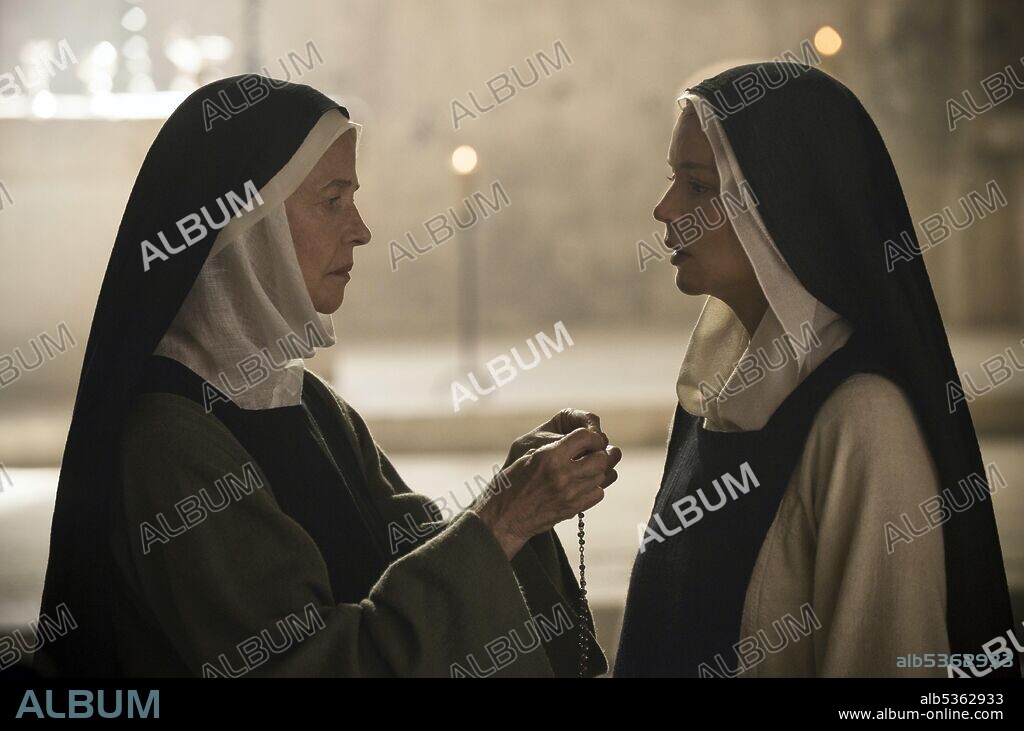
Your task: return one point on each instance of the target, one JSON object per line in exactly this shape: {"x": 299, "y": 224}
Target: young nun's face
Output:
{"x": 325, "y": 225}
{"x": 709, "y": 258}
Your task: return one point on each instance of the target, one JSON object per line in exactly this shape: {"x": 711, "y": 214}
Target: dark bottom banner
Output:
{"x": 780, "y": 700}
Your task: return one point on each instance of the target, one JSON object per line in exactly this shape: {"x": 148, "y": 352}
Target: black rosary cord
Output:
{"x": 582, "y": 609}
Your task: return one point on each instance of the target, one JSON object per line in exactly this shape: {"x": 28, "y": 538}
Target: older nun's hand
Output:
{"x": 551, "y": 482}
{"x": 562, "y": 423}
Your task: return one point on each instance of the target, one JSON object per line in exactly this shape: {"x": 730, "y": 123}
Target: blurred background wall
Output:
{"x": 580, "y": 155}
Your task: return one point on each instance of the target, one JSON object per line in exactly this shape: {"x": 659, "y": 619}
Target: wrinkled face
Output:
{"x": 325, "y": 225}
{"x": 709, "y": 258}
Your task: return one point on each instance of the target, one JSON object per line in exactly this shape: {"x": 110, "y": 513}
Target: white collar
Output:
{"x": 736, "y": 383}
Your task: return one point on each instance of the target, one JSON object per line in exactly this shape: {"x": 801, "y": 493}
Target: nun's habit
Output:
{"x": 767, "y": 552}
{"x": 221, "y": 511}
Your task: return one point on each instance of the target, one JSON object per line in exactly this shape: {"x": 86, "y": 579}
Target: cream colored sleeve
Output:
{"x": 864, "y": 466}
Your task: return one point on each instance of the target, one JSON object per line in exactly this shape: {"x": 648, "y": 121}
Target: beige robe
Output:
{"x": 864, "y": 464}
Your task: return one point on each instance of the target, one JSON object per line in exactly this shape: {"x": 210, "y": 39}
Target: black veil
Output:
{"x": 829, "y": 196}
{"x": 229, "y": 132}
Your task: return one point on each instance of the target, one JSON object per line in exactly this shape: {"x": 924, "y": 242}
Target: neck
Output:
{"x": 749, "y": 309}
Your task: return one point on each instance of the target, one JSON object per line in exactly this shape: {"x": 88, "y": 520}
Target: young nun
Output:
{"x": 812, "y": 412}
{"x": 221, "y": 510}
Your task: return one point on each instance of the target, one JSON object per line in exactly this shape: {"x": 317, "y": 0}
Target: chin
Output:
{"x": 686, "y": 284}
{"x": 328, "y": 303}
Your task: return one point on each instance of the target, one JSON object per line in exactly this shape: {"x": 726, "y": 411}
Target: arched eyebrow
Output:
{"x": 341, "y": 183}
{"x": 690, "y": 165}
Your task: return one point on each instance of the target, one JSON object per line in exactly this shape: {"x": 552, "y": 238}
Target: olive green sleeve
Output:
{"x": 542, "y": 569}
{"x": 231, "y": 579}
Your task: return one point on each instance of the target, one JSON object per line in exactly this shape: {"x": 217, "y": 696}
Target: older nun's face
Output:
{"x": 709, "y": 258}
{"x": 325, "y": 225}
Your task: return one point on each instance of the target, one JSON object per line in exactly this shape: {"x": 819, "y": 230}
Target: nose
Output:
{"x": 661, "y": 211}
{"x": 362, "y": 234}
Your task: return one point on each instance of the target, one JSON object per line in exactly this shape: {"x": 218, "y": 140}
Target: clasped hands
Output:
{"x": 552, "y": 472}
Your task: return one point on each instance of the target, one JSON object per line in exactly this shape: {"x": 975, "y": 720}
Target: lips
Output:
{"x": 345, "y": 271}
{"x": 678, "y": 255}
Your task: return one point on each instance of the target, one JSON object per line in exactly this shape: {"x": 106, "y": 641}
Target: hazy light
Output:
{"x": 31, "y": 51}
{"x": 184, "y": 83}
{"x": 141, "y": 84}
{"x": 139, "y": 65}
{"x": 215, "y": 48}
{"x": 827, "y": 40}
{"x": 102, "y": 105}
{"x": 184, "y": 54}
{"x": 134, "y": 20}
{"x": 44, "y": 104}
{"x": 138, "y": 105}
{"x": 104, "y": 55}
{"x": 464, "y": 159}
{"x": 135, "y": 47}
{"x": 101, "y": 83}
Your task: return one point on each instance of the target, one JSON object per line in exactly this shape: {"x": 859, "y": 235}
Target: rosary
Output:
{"x": 582, "y": 609}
